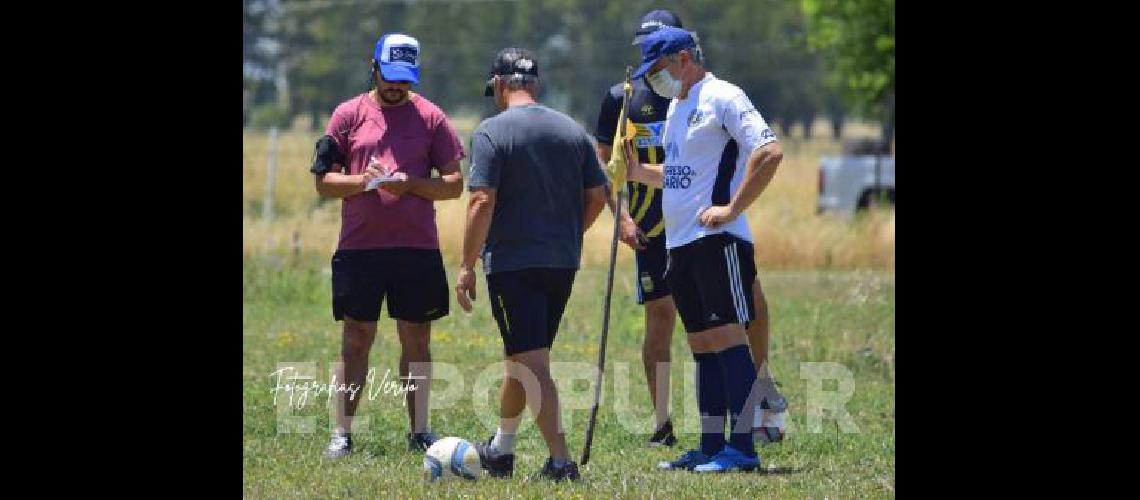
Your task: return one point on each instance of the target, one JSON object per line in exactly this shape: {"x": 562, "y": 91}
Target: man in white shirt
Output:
{"x": 719, "y": 157}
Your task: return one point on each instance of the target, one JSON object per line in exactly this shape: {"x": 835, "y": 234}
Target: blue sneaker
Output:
{"x": 690, "y": 459}
{"x": 729, "y": 459}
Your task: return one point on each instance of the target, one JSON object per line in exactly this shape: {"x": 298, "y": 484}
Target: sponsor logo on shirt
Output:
{"x": 767, "y": 133}
{"x": 649, "y": 134}
{"x": 696, "y": 117}
{"x": 678, "y": 176}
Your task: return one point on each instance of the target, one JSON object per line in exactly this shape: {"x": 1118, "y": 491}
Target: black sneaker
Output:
{"x": 765, "y": 435}
{"x": 664, "y": 436}
{"x": 568, "y": 471}
{"x": 339, "y": 446}
{"x": 421, "y": 441}
{"x": 687, "y": 461}
{"x": 773, "y": 400}
{"x": 494, "y": 461}
{"x": 772, "y": 403}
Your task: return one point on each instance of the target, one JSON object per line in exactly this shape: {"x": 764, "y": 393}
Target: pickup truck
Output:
{"x": 862, "y": 175}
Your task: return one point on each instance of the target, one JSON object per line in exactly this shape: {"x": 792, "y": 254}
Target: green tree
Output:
{"x": 761, "y": 46}
{"x": 582, "y": 46}
{"x": 857, "y": 41}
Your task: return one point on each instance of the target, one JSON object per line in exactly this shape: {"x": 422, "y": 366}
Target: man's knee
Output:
{"x": 415, "y": 339}
{"x": 416, "y": 348}
{"x": 656, "y": 346}
{"x": 660, "y": 309}
{"x": 660, "y": 316}
{"x": 358, "y": 337}
{"x": 535, "y": 361}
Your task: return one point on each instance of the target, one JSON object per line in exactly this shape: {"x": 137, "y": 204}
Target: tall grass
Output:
{"x": 788, "y": 232}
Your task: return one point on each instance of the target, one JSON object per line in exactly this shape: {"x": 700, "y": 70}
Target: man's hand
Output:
{"x": 715, "y": 216}
{"x": 632, "y": 235}
{"x": 370, "y": 173}
{"x": 465, "y": 287}
{"x": 632, "y": 163}
{"x": 397, "y": 187}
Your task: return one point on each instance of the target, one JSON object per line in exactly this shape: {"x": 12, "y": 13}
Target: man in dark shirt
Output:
{"x": 536, "y": 186}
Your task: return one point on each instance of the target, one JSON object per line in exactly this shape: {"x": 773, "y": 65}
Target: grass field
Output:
{"x": 841, "y": 317}
{"x": 829, "y": 282}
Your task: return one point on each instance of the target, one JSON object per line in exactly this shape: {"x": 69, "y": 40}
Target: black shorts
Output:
{"x": 528, "y": 305}
{"x": 651, "y": 262}
{"x": 413, "y": 279}
{"x": 711, "y": 279}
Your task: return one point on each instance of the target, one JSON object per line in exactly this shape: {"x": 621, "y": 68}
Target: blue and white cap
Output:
{"x": 653, "y": 21}
{"x": 399, "y": 58}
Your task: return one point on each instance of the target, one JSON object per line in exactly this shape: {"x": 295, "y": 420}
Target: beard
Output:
{"x": 393, "y": 96}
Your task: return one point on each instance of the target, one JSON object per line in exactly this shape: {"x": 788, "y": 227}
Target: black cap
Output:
{"x": 654, "y": 20}
{"x": 512, "y": 61}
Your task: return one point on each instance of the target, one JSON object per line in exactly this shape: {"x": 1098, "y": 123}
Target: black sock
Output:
{"x": 739, "y": 374}
{"x": 710, "y": 400}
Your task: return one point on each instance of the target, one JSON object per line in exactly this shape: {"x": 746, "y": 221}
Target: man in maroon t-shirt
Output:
{"x": 388, "y": 245}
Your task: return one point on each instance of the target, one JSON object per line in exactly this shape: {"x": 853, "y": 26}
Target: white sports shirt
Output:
{"x": 708, "y": 138}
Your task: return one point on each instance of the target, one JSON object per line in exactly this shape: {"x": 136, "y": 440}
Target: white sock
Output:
{"x": 504, "y": 442}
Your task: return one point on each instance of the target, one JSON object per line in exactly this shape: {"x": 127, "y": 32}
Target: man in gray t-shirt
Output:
{"x": 536, "y": 186}
{"x": 540, "y": 162}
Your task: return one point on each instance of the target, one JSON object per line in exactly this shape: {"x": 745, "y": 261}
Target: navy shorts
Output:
{"x": 651, "y": 263}
{"x": 528, "y": 304}
{"x": 711, "y": 279}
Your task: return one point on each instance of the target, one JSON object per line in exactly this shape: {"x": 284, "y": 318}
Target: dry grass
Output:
{"x": 787, "y": 231}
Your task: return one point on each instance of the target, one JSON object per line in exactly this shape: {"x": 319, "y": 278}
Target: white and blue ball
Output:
{"x": 452, "y": 457}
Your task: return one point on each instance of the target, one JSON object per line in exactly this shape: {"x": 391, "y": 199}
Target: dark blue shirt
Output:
{"x": 647, "y": 111}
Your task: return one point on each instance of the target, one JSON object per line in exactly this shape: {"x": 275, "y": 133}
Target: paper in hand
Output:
{"x": 393, "y": 177}
{"x": 386, "y": 177}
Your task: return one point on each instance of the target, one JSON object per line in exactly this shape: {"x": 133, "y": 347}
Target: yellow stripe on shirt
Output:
{"x": 649, "y": 192}
{"x": 633, "y": 197}
{"x": 658, "y": 229}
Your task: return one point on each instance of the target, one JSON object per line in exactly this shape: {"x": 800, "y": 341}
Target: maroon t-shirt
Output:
{"x": 414, "y": 138}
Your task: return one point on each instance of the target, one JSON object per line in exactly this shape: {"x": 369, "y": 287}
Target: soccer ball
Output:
{"x": 452, "y": 457}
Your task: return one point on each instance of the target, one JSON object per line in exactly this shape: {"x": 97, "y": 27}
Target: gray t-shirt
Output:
{"x": 540, "y": 162}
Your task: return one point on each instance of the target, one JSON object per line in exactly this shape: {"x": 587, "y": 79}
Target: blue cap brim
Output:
{"x": 399, "y": 73}
{"x": 644, "y": 68}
